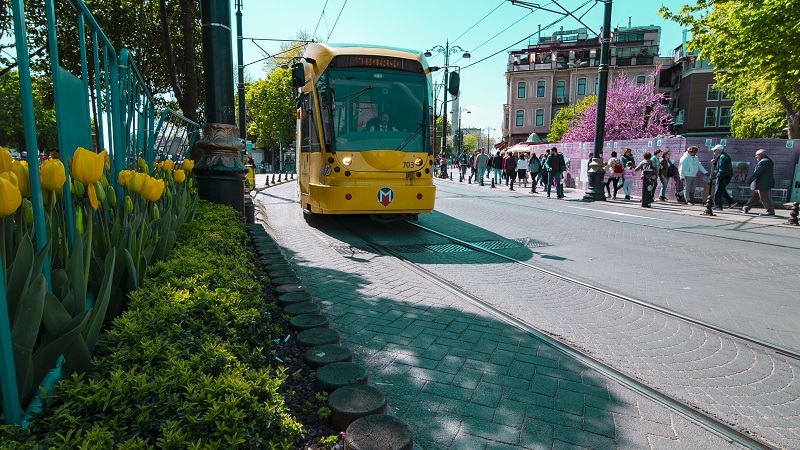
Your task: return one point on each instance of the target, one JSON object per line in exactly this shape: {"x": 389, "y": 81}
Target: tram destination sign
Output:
{"x": 382, "y": 62}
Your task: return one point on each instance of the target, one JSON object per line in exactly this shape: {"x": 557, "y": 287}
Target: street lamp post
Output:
{"x": 488, "y": 137}
{"x": 460, "y": 131}
{"x": 595, "y": 189}
{"x": 447, "y": 51}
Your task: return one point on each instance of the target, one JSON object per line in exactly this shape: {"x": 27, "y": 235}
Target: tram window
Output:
{"x": 309, "y": 139}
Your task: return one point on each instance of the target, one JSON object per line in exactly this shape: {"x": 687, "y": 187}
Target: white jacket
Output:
{"x": 689, "y": 166}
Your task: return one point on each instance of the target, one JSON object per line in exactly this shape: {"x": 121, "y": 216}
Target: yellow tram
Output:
{"x": 364, "y": 131}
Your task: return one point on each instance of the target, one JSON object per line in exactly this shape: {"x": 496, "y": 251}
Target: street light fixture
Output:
{"x": 447, "y": 51}
{"x": 460, "y": 132}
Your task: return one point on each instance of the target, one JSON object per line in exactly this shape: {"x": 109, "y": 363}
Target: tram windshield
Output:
{"x": 374, "y": 110}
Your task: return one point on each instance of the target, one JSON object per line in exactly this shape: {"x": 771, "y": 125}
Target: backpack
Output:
{"x": 671, "y": 170}
{"x": 648, "y": 170}
{"x": 618, "y": 167}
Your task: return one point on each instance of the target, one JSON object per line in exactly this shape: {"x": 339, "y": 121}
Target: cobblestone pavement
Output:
{"x": 461, "y": 378}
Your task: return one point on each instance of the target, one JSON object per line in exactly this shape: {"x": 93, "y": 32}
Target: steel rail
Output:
{"x": 697, "y": 416}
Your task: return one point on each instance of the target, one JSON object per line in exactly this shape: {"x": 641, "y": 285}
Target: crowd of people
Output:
{"x": 655, "y": 169}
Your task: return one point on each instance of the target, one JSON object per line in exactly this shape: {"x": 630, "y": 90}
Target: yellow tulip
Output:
{"x": 10, "y": 198}
{"x": 152, "y": 189}
{"x": 180, "y": 175}
{"x": 11, "y": 177}
{"x": 124, "y": 177}
{"x": 107, "y": 160}
{"x": 136, "y": 182}
{"x": 87, "y": 166}
{"x": 166, "y": 165}
{"x": 52, "y": 175}
{"x": 5, "y": 159}
{"x": 188, "y": 165}
{"x": 23, "y": 178}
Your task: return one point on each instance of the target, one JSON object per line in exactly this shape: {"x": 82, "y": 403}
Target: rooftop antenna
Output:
{"x": 629, "y": 22}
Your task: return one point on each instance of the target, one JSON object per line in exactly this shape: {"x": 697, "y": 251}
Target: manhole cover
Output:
{"x": 349, "y": 250}
{"x": 531, "y": 242}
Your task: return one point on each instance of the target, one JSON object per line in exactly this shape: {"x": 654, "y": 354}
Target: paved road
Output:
{"x": 463, "y": 379}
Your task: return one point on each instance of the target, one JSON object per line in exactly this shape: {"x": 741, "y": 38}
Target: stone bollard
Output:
{"x": 709, "y": 205}
{"x": 451, "y": 175}
{"x": 293, "y": 175}
{"x": 793, "y": 214}
{"x": 273, "y": 177}
{"x": 267, "y": 181}
{"x": 492, "y": 186}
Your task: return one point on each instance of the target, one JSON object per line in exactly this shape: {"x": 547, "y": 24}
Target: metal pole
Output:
{"x": 444, "y": 106}
{"x": 594, "y": 191}
{"x": 240, "y": 55}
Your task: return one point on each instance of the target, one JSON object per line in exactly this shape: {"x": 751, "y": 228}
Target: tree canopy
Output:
{"x": 748, "y": 41}
{"x": 12, "y": 133}
{"x": 632, "y": 112}
{"x": 271, "y": 108}
{"x": 565, "y": 116}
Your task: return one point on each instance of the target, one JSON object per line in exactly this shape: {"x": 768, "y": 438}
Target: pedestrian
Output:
{"x": 688, "y": 168}
{"x": 627, "y": 179}
{"x": 463, "y": 163}
{"x": 510, "y": 169}
{"x": 522, "y": 169}
{"x": 627, "y": 155}
{"x": 473, "y": 166}
{"x": 614, "y": 168}
{"x": 555, "y": 166}
{"x": 649, "y": 174}
{"x": 666, "y": 170}
{"x": 497, "y": 167}
{"x": 482, "y": 160}
{"x": 534, "y": 167}
{"x": 543, "y": 171}
{"x": 723, "y": 168}
{"x": 656, "y": 158}
{"x": 761, "y": 181}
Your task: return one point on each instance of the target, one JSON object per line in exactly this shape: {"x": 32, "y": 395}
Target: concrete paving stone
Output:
{"x": 522, "y": 370}
{"x": 422, "y": 341}
{"x": 578, "y": 387}
{"x": 566, "y": 375}
{"x": 431, "y": 375}
{"x": 438, "y": 389}
{"x": 561, "y": 445}
{"x": 468, "y": 442}
{"x": 435, "y": 330}
{"x": 494, "y": 432}
{"x": 468, "y": 378}
{"x": 487, "y": 394}
{"x": 583, "y": 438}
{"x": 545, "y": 384}
{"x": 403, "y": 323}
{"x": 411, "y": 331}
{"x": 570, "y": 402}
{"x": 483, "y": 365}
{"x": 436, "y": 351}
{"x": 524, "y": 351}
{"x": 450, "y": 364}
{"x": 501, "y": 446}
{"x": 599, "y": 421}
{"x": 398, "y": 348}
{"x": 511, "y": 413}
{"x": 555, "y": 417}
{"x": 536, "y": 436}
{"x": 457, "y": 327}
{"x": 502, "y": 357}
{"x": 592, "y": 378}
{"x": 473, "y": 337}
{"x": 467, "y": 409}
{"x": 506, "y": 380}
{"x": 484, "y": 346}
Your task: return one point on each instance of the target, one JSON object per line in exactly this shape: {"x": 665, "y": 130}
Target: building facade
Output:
{"x": 562, "y": 69}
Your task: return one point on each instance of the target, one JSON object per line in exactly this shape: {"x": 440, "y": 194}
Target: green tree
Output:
{"x": 12, "y": 132}
{"x": 749, "y": 40}
{"x": 437, "y": 145}
{"x": 562, "y": 120}
{"x": 470, "y": 143}
{"x": 758, "y": 112}
{"x": 270, "y": 106}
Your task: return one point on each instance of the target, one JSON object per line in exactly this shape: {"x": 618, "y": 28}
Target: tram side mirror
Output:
{"x": 298, "y": 75}
{"x": 454, "y": 83}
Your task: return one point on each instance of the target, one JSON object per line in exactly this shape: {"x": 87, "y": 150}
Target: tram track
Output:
{"x": 693, "y": 413}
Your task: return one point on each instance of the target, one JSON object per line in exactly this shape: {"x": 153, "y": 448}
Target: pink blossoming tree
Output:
{"x": 632, "y": 112}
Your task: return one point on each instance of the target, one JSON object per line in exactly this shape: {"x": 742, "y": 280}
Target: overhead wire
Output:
{"x": 479, "y": 21}
{"x": 321, "y": 15}
{"x": 337, "y": 21}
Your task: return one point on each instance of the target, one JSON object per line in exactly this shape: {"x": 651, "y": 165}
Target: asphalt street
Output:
{"x": 464, "y": 379}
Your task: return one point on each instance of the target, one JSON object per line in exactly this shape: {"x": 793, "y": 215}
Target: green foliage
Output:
{"x": 330, "y": 441}
{"x": 470, "y": 143}
{"x": 270, "y": 105}
{"x": 749, "y": 40}
{"x": 12, "y": 133}
{"x": 324, "y": 412}
{"x": 185, "y": 365}
{"x": 438, "y": 143}
{"x": 566, "y": 116}
{"x": 756, "y": 113}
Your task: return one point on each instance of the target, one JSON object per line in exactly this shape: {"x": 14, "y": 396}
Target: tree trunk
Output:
{"x": 170, "y": 63}
{"x": 792, "y": 115}
{"x": 191, "y": 96}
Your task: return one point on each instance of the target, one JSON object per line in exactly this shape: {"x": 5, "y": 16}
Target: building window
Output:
{"x": 581, "y": 86}
{"x": 596, "y": 85}
{"x": 725, "y": 96}
{"x": 521, "y": 89}
{"x": 520, "y": 118}
{"x": 539, "y": 117}
{"x": 712, "y": 94}
{"x": 560, "y": 88}
{"x": 711, "y": 118}
{"x": 679, "y": 118}
{"x": 506, "y": 120}
{"x": 641, "y": 80}
{"x": 540, "y": 88}
{"x": 725, "y": 116}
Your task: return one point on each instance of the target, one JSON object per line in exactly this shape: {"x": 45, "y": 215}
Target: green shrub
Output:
{"x": 187, "y": 365}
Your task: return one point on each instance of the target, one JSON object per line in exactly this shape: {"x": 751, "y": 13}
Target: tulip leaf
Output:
{"x": 46, "y": 356}
{"x": 165, "y": 245}
{"x": 26, "y": 327}
{"x": 75, "y": 268}
{"x": 101, "y": 303}
{"x": 19, "y": 275}
{"x": 61, "y": 284}
{"x": 133, "y": 277}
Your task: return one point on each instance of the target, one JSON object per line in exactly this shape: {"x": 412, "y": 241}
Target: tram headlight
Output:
{"x": 347, "y": 160}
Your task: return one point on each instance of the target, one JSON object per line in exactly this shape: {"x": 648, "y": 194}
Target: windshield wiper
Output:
{"x": 411, "y": 136}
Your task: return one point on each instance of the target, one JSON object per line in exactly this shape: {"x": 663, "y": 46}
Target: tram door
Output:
{"x": 305, "y": 125}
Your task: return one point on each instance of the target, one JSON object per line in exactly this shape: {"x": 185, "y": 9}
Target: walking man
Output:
{"x": 761, "y": 181}
{"x": 555, "y": 165}
{"x": 689, "y": 166}
{"x": 482, "y": 160}
{"x": 724, "y": 169}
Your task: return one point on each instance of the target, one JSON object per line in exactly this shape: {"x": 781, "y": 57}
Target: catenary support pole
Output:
{"x": 595, "y": 192}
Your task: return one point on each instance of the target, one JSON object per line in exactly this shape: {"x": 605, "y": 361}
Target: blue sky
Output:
{"x": 484, "y": 28}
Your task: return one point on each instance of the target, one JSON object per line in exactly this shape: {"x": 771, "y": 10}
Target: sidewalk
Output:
{"x": 782, "y": 210}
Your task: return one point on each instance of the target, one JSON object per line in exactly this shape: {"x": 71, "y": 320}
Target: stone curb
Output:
{"x": 355, "y": 406}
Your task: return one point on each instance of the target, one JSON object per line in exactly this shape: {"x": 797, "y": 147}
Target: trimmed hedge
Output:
{"x": 187, "y": 365}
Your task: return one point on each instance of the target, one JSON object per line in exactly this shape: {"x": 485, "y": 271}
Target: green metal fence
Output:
{"x": 105, "y": 106}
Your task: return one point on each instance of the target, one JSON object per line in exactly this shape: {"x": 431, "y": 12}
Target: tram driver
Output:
{"x": 383, "y": 125}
